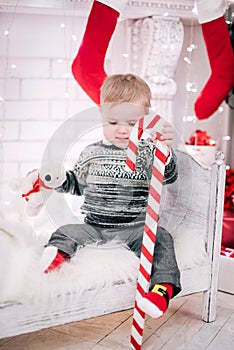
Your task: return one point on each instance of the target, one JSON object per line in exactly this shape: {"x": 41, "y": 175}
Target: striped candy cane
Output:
{"x": 151, "y": 220}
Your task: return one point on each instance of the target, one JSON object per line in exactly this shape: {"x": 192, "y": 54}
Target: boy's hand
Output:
{"x": 167, "y": 135}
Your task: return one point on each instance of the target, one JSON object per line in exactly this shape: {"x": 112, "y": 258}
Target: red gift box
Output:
{"x": 228, "y": 229}
{"x": 228, "y": 252}
{"x": 200, "y": 138}
{"x": 228, "y": 217}
{"x": 229, "y": 190}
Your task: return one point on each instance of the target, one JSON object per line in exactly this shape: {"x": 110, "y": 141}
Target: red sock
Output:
{"x": 155, "y": 303}
{"x": 59, "y": 259}
{"x": 221, "y": 59}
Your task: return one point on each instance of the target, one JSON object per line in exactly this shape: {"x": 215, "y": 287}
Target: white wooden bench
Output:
{"x": 102, "y": 280}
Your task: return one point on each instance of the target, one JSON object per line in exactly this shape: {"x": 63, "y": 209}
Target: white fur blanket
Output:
{"x": 22, "y": 241}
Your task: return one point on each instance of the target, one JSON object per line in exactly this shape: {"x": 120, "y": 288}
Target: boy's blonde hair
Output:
{"x": 125, "y": 88}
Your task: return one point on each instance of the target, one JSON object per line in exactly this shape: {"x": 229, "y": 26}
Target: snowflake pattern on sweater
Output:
{"x": 114, "y": 196}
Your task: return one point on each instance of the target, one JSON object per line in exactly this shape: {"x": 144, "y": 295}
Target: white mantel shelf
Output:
{"x": 134, "y": 9}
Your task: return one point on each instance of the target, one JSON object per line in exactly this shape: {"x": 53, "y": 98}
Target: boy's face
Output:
{"x": 118, "y": 121}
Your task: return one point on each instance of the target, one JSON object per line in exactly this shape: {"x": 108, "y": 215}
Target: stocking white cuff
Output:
{"x": 117, "y": 5}
{"x": 208, "y": 10}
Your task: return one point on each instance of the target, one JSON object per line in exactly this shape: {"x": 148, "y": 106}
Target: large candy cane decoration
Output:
{"x": 151, "y": 221}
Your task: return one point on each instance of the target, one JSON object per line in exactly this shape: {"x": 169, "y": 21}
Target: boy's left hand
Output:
{"x": 167, "y": 135}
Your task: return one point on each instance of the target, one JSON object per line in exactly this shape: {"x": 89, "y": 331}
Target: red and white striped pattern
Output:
{"x": 151, "y": 221}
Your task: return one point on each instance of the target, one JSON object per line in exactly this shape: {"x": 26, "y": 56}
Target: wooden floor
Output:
{"x": 180, "y": 328}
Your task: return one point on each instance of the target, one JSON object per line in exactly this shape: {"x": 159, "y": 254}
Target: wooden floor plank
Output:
{"x": 225, "y": 337}
{"x": 101, "y": 347}
{"x": 119, "y": 338}
{"x": 169, "y": 332}
{"x": 95, "y": 329}
{"x": 152, "y": 325}
{"x": 181, "y": 328}
{"x": 5, "y": 340}
{"x": 208, "y": 331}
{"x": 47, "y": 339}
{"x": 226, "y": 300}
{"x": 193, "y": 333}
{"x": 184, "y": 334}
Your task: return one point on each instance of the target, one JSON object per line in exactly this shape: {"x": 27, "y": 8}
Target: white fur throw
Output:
{"x": 91, "y": 268}
{"x": 22, "y": 241}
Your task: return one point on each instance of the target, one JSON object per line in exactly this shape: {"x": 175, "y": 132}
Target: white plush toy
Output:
{"x": 37, "y": 187}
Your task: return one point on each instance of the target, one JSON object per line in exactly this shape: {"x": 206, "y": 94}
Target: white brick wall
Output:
{"x": 35, "y": 74}
{"x": 37, "y": 86}
{"x": 40, "y": 93}
{"x": 42, "y": 89}
{"x": 25, "y": 67}
{"x": 10, "y": 131}
{"x": 23, "y": 151}
{"x": 10, "y": 88}
{"x": 58, "y": 109}
{"x": 26, "y": 110}
{"x": 40, "y": 131}
{"x": 60, "y": 68}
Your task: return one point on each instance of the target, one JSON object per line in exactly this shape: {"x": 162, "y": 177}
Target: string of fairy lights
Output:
{"x": 9, "y": 64}
{"x": 190, "y": 86}
{"x": 68, "y": 22}
{"x": 5, "y": 64}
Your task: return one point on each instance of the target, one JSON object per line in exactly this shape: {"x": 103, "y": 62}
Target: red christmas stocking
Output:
{"x": 88, "y": 65}
{"x": 221, "y": 58}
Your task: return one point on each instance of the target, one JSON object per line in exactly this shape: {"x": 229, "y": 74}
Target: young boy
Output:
{"x": 115, "y": 200}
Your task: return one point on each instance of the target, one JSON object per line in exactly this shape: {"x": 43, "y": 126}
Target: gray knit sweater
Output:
{"x": 113, "y": 196}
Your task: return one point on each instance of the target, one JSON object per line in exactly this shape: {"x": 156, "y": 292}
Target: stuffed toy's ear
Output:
{"x": 24, "y": 184}
{"x": 88, "y": 65}
{"x": 15, "y": 185}
{"x": 28, "y": 187}
{"x": 220, "y": 53}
